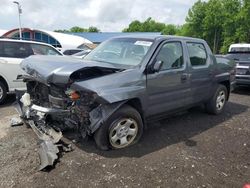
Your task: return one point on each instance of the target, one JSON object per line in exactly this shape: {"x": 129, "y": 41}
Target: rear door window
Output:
{"x": 15, "y": 49}
{"x": 197, "y": 54}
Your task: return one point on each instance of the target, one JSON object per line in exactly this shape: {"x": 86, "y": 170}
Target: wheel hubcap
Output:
{"x": 220, "y": 101}
{"x": 123, "y": 133}
{"x": 1, "y": 92}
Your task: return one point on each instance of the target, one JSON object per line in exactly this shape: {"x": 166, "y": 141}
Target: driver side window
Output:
{"x": 171, "y": 55}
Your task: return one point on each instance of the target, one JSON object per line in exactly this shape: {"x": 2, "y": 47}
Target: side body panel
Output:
{"x": 202, "y": 78}
{"x": 9, "y": 69}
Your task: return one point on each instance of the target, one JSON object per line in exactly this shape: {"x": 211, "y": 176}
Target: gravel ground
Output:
{"x": 191, "y": 149}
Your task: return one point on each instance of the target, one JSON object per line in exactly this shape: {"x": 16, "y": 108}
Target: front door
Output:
{"x": 169, "y": 88}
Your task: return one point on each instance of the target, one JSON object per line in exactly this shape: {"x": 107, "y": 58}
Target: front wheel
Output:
{"x": 217, "y": 103}
{"x": 3, "y": 92}
{"x": 122, "y": 129}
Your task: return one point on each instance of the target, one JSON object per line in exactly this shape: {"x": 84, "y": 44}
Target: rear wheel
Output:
{"x": 3, "y": 92}
{"x": 122, "y": 129}
{"x": 217, "y": 103}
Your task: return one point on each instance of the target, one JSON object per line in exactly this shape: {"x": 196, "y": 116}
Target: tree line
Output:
{"x": 219, "y": 22}
{"x": 77, "y": 29}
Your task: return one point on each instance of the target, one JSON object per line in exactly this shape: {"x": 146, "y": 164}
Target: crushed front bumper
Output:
{"x": 49, "y": 137}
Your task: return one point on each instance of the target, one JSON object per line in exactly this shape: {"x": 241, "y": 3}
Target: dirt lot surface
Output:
{"x": 192, "y": 149}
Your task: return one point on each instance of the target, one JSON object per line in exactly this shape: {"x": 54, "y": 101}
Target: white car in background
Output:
{"x": 12, "y": 52}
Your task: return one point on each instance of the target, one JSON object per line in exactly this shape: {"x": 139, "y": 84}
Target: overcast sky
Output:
{"x": 107, "y": 15}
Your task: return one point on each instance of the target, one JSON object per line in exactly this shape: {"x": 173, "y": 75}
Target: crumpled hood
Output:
{"x": 58, "y": 69}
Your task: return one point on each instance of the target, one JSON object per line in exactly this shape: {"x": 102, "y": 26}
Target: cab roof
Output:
{"x": 160, "y": 37}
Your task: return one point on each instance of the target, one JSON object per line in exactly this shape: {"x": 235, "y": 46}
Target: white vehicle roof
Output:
{"x": 239, "y": 45}
{"x": 23, "y": 41}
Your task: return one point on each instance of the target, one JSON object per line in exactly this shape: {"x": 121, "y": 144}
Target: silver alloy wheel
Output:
{"x": 123, "y": 133}
{"x": 1, "y": 92}
{"x": 221, "y": 99}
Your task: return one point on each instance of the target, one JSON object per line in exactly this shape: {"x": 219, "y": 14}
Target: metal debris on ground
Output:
{"x": 16, "y": 121}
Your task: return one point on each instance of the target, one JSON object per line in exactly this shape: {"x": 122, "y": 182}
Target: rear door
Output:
{"x": 12, "y": 54}
{"x": 169, "y": 88}
{"x": 201, "y": 71}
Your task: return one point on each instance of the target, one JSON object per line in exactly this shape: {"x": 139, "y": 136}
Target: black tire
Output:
{"x": 4, "y": 92}
{"x": 211, "y": 106}
{"x": 102, "y": 135}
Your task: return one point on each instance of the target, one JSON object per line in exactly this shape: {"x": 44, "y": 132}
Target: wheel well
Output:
{"x": 136, "y": 104}
{"x": 4, "y": 82}
{"x": 227, "y": 85}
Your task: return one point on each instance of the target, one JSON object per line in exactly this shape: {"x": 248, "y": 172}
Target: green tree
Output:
{"x": 219, "y": 22}
{"x": 134, "y": 26}
{"x": 230, "y": 24}
{"x": 243, "y": 19}
{"x": 150, "y": 25}
{"x": 61, "y": 30}
{"x": 171, "y": 29}
{"x": 93, "y": 29}
{"x": 212, "y": 24}
{"x": 77, "y": 29}
{"x": 195, "y": 20}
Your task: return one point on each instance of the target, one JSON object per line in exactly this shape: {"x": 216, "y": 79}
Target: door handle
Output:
{"x": 184, "y": 77}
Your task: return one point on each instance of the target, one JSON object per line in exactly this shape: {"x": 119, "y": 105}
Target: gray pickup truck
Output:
{"x": 118, "y": 87}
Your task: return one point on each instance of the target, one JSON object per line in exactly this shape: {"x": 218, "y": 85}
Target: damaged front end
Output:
{"x": 50, "y": 109}
{"x": 47, "y": 131}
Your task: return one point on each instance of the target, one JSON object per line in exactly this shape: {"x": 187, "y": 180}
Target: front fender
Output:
{"x": 100, "y": 114}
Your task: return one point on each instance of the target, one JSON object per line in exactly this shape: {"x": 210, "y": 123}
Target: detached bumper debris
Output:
{"x": 47, "y": 154}
{"x": 48, "y": 149}
{"x": 16, "y": 121}
{"x": 49, "y": 137}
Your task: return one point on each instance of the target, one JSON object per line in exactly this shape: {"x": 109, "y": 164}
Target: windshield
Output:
{"x": 239, "y": 49}
{"x": 239, "y": 56}
{"x": 121, "y": 51}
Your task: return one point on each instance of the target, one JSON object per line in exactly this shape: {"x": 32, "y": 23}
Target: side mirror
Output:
{"x": 157, "y": 66}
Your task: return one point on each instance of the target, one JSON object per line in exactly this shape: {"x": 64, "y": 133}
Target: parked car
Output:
{"x": 80, "y": 51}
{"x": 12, "y": 52}
{"x": 88, "y": 46}
{"x": 71, "y": 51}
{"x": 239, "y": 48}
{"x": 113, "y": 92}
{"x": 240, "y": 53}
{"x": 82, "y": 54}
